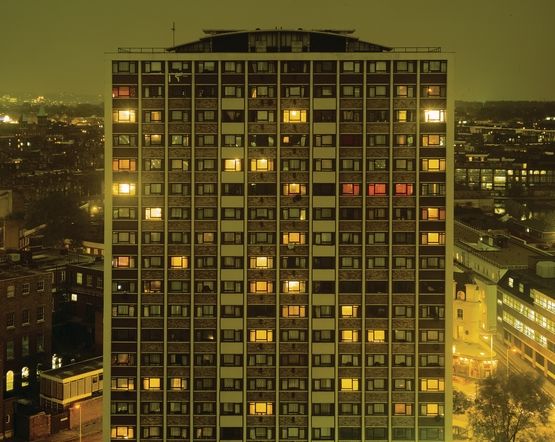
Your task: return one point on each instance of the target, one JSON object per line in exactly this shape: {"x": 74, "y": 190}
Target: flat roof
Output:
{"x": 72, "y": 370}
{"x": 514, "y": 254}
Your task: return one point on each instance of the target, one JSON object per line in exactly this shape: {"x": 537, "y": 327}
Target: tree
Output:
{"x": 505, "y": 406}
{"x": 62, "y": 216}
{"x": 461, "y": 402}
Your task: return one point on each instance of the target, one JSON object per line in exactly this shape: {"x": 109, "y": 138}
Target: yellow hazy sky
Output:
{"x": 505, "y": 49}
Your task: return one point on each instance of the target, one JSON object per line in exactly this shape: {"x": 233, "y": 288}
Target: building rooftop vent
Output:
{"x": 545, "y": 269}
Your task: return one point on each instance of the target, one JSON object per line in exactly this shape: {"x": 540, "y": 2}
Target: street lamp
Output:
{"x": 490, "y": 336}
{"x": 78, "y": 406}
{"x": 514, "y": 350}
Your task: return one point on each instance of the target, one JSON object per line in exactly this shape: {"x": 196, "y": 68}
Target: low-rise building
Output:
{"x": 61, "y": 387}
{"x": 473, "y": 353}
{"x": 526, "y": 313}
{"x": 25, "y": 342}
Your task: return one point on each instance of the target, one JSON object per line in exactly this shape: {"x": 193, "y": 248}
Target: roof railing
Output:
{"x": 416, "y": 49}
{"x": 141, "y": 50}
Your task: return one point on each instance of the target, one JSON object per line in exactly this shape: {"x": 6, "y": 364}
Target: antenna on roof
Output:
{"x": 173, "y": 34}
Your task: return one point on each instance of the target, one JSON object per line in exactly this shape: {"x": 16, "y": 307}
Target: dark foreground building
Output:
{"x": 278, "y": 239}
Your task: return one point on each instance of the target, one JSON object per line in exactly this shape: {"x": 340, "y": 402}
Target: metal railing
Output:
{"x": 141, "y": 50}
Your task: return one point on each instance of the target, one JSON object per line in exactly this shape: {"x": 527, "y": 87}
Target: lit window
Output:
{"x": 294, "y": 116}
{"x": 261, "y": 286}
{"x": 349, "y": 335}
{"x": 257, "y": 335}
{"x": 432, "y": 385}
{"x": 74, "y": 297}
{"x": 434, "y": 116}
{"x": 511, "y": 282}
{"x": 293, "y": 311}
{"x": 261, "y": 262}
{"x": 123, "y": 92}
{"x": 179, "y": 262}
{"x": 350, "y": 384}
{"x": 433, "y": 213}
{"x": 123, "y": 261}
{"x": 261, "y": 408}
{"x": 433, "y": 140}
{"x": 376, "y": 335}
{"x": 294, "y": 286}
{"x": 377, "y": 189}
{"x": 294, "y": 189}
{"x": 232, "y": 165}
{"x": 404, "y": 189}
{"x": 294, "y": 238}
{"x": 178, "y": 384}
{"x": 431, "y": 409}
{"x": 151, "y": 384}
{"x": 262, "y": 165}
{"x": 400, "y": 409}
{"x": 9, "y": 380}
{"x": 121, "y": 432}
{"x": 349, "y": 311}
{"x": 153, "y": 213}
{"x": 25, "y": 377}
{"x": 433, "y": 164}
{"x": 123, "y": 189}
{"x": 128, "y": 165}
{"x": 433, "y": 238}
{"x": 125, "y": 116}
{"x": 433, "y": 91}
{"x": 350, "y": 189}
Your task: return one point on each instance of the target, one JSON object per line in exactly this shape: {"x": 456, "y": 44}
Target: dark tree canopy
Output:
{"x": 62, "y": 216}
{"x": 461, "y": 402}
{"x": 505, "y": 406}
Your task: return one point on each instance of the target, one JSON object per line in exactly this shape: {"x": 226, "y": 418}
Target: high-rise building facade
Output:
{"x": 278, "y": 240}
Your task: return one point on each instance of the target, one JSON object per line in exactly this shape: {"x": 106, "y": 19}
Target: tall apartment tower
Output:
{"x": 278, "y": 240}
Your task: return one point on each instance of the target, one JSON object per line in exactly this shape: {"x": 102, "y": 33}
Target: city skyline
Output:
{"x": 494, "y": 61}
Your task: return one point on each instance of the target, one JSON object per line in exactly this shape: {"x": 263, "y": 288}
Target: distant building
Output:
{"x": 278, "y": 235}
{"x": 504, "y": 172}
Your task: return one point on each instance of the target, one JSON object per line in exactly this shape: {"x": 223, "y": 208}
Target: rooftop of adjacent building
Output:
{"x": 279, "y": 40}
{"x": 17, "y": 271}
{"x": 76, "y": 369}
{"x": 496, "y": 247}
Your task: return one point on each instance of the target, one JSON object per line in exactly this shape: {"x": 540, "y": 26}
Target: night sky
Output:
{"x": 505, "y": 49}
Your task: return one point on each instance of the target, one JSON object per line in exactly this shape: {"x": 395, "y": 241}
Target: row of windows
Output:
{"x": 265, "y": 262}
{"x": 292, "y": 384}
{"x": 292, "y": 140}
{"x": 269, "y": 189}
{"x": 25, "y": 317}
{"x": 287, "y": 433}
{"x": 25, "y": 346}
{"x": 290, "y": 66}
{"x": 268, "y": 164}
{"x": 287, "y": 311}
{"x": 290, "y": 335}
{"x": 291, "y": 213}
{"x": 209, "y": 213}
{"x": 267, "y": 286}
{"x": 287, "y": 359}
{"x": 23, "y": 288}
{"x": 288, "y": 115}
{"x": 269, "y": 91}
